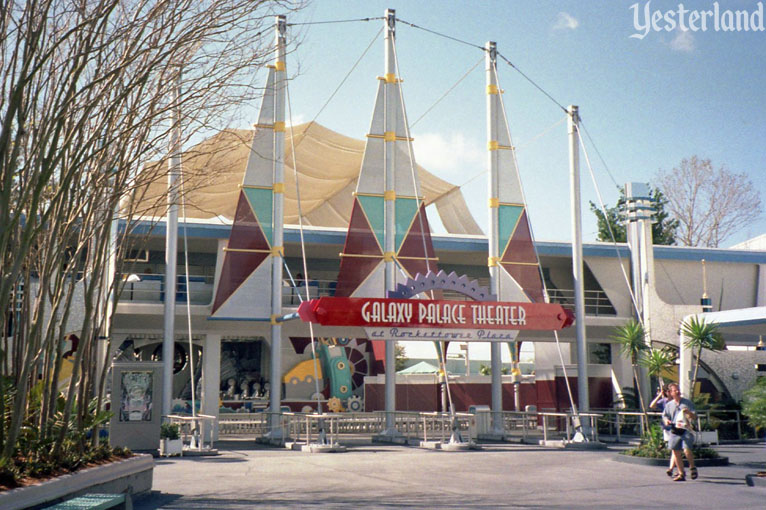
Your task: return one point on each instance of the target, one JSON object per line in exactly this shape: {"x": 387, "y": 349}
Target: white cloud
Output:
{"x": 565, "y": 21}
{"x": 684, "y": 41}
{"x": 297, "y": 118}
{"x": 453, "y": 157}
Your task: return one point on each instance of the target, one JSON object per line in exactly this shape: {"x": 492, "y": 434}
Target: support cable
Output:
{"x": 329, "y": 22}
{"x": 442, "y": 352}
{"x": 598, "y": 152}
{"x": 575, "y": 410}
{"x": 532, "y": 82}
{"x": 434, "y": 32}
{"x": 533, "y": 139}
{"x": 513, "y": 66}
{"x": 337, "y": 89}
{"x": 303, "y": 257}
{"x": 188, "y": 300}
{"x": 415, "y": 183}
{"x": 633, "y": 299}
{"x": 449, "y": 90}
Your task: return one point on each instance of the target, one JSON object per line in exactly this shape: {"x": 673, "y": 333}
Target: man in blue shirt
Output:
{"x": 677, "y": 417}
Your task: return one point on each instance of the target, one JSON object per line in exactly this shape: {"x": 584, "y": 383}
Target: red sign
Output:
{"x": 421, "y": 313}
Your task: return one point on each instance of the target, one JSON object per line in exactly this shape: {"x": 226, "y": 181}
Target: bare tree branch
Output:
{"x": 710, "y": 204}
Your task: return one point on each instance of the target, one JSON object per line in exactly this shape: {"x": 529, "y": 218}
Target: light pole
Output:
{"x": 131, "y": 279}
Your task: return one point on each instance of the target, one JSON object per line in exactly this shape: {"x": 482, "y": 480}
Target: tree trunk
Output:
{"x": 696, "y": 371}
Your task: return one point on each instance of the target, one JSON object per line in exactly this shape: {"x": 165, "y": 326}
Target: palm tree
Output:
{"x": 754, "y": 405}
{"x": 657, "y": 360}
{"x": 632, "y": 340}
{"x": 701, "y": 335}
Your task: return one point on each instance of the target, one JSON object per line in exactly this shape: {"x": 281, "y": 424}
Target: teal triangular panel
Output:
{"x": 261, "y": 200}
{"x": 375, "y": 211}
{"x": 406, "y": 208}
{"x": 507, "y": 216}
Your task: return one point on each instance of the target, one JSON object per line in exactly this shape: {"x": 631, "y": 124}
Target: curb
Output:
{"x": 133, "y": 476}
{"x": 628, "y": 459}
{"x": 755, "y": 481}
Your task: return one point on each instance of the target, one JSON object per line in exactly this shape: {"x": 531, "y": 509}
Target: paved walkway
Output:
{"x": 499, "y": 476}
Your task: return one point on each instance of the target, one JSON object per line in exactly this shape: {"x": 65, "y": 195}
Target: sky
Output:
{"x": 646, "y": 103}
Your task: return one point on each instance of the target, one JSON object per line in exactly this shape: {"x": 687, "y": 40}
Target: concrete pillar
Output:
{"x": 211, "y": 381}
{"x": 684, "y": 364}
{"x": 760, "y": 296}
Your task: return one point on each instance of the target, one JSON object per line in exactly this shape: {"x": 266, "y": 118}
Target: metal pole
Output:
{"x": 577, "y": 261}
{"x": 109, "y": 284}
{"x": 277, "y": 253}
{"x": 389, "y": 169}
{"x": 496, "y": 359}
{"x": 171, "y": 253}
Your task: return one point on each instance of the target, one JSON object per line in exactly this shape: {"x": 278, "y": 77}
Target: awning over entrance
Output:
{"x": 740, "y": 327}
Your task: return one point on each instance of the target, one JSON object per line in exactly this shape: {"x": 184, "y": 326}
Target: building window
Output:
{"x": 600, "y": 354}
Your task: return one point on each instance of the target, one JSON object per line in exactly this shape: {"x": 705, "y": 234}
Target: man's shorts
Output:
{"x": 685, "y": 442}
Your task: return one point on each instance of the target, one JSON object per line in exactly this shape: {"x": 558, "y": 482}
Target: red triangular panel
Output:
{"x": 300, "y": 343}
{"x": 520, "y": 248}
{"x": 518, "y": 254}
{"x": 528, "y": 277}
{"x": 360, "y": 240}
{"x": 379, "y": 357}
{"x": 416, "y": 240}
{"x": 234, "y": 272}
{"x": 246, "y": 234}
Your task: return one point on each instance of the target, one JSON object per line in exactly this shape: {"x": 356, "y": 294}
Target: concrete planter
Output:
{"x": 132, "y": 476}
{"x": 706, "y": 437}
{"x": 756, "y": 481}
{"x": 171, "y": 447}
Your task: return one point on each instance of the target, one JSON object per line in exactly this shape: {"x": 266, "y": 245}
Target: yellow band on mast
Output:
{"x": 390, "y": 138}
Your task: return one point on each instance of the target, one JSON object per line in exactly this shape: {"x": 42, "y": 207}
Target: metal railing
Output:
{"x": 633, "y": 424}
{"x": 239, "y": 424}
{"x": 151, "y": 289}
{"x": 596, "y": 301}
{"x": 528, "y": 426}
{"x": 412, "y": 425}
{"x": 195, "y": 431}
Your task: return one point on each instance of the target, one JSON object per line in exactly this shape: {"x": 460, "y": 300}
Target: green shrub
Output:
{"x": 122, "y": 451}
{"x": 652, "y": 446}
{"x": 169, "y": 431}
{"x": 754, "y": 405}
{"x": 10, "y": 473}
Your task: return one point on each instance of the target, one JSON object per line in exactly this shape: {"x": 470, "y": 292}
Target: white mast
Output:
{"x": 171, "y": 253}
{"x": 278, "y": 234}
{"x": 496, "y": 360}
{"x": 577, "y": 260}
{"x": 639, "y": 211}
{"x": 389, "y": 197}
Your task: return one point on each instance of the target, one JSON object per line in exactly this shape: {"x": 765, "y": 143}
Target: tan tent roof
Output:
{"x": 328, "y": 168}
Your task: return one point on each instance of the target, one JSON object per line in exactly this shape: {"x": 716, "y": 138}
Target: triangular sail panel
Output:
{"x": 362, "y": 269}
{"x": 520, "y": 272}
{"x": 246, "y": 272}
